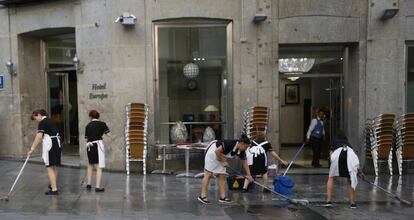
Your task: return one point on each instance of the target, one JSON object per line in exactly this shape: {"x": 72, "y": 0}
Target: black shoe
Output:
{"x": 225, "y": 200}
{"x": 49, "y": 187}
{"x": 88, "y": 187}
{"x": 50, "y": 192}
{"x": 245, "y": 190}
{"x": 99, "y": 189}
{"x": 353, "y": 206}
{"x": 203, "y": 200}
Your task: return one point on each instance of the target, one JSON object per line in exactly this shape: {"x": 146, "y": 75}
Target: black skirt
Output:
{"x": 54, "y": 153}
{"x": 259, "y": 166}
{"x": 343, "y": 164}
{"x": 92, "y": 152}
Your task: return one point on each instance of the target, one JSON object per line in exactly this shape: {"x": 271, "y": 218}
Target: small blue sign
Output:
{"x": 1, "y": 81}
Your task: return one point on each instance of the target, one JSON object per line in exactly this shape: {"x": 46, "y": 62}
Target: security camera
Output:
{"x": 126, "y": 19}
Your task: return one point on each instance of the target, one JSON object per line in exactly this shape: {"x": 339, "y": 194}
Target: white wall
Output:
{"x": 292, "y": 115}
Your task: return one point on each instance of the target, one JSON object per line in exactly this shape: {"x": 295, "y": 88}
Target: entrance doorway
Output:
{"x": 63, "y": 105}
{"x": 320, "y": 86}
{"x": 62, "y": 95}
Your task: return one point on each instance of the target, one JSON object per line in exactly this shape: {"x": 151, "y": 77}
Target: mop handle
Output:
{"x": 20, "y": 173}
{"x": 265, "y": 187}
{"x": 395, "y": 196}
{"x": 294, "y": 158}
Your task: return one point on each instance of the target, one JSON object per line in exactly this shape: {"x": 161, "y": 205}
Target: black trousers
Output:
{"x": 316, "y": 148}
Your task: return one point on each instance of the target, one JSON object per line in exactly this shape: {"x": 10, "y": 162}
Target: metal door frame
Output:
{"x": 195, "y": 23}
{"x": 343, "y": 90}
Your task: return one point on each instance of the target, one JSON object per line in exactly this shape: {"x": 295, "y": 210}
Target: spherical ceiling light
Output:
{"x": 191, "y": 70}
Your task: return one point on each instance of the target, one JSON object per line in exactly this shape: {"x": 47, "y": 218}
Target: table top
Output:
{"x": 199, "y": 145}
{"x": 164, "y": 145}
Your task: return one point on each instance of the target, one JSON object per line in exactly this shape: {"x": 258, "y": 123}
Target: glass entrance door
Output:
{"x": 62, "y": 101}
{"x": 58, "y": 102}
{"x": 335, "y": 119}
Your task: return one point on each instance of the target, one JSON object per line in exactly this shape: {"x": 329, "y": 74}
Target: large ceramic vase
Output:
{"x": 178, "y": 132}
{"x": 209, "y": 135}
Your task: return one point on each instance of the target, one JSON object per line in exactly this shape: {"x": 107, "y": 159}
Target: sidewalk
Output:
{"x": 168, "y": 197}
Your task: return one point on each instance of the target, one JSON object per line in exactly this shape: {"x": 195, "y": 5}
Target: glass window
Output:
{"x": 192, "y": 69}
{"x": 60, "y": 50}
{"x": 410, "y": 79}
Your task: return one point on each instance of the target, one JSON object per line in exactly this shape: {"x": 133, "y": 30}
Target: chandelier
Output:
{"x": 295, "y": 66}
{"x": 191, "y": 70}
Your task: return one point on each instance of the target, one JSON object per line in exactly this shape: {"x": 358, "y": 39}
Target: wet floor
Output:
{"x": 168, "y": 197}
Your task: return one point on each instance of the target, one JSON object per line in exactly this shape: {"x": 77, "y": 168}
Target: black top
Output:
{"x": 95, "y": 129}
{"x": 267, "y": 147}
{"x": 230, "y": 149}
{"x": 337, "y": 143}
{"x": 47, "y": 126}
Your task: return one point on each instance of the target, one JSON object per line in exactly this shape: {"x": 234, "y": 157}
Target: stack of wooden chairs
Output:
{"x": 136, "y": 133}
{"x": 404, "y": 135}
{"x": 380, "y": 138}
{"x": 255, "y": 119}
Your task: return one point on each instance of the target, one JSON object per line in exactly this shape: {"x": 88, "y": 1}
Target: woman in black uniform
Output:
{"x": 257, "y": 158}
{"x": 95, "y": 148}
{"x": 48, "y": 134}
{"x": 344, "y": 163}
{"x": 215, "y": 163}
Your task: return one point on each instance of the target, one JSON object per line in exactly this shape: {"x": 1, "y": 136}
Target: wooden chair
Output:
{"x": 255, "y": 119}
{"x": 136, "y": 129}
{"x": 380, "y": 139}
{"x": 404, "y": 129}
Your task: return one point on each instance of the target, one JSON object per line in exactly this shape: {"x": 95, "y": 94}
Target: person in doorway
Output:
{"x": 315, "y": 135}
{"x": 215, "y": 163}
{"x": 344, "y": 163}
{"x": 257, "y": 159}
{"x": 95, "y": 149}
{"x": 48, "y": 134}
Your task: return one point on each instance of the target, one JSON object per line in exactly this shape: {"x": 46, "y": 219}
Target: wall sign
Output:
{"x": 1, "y": 81}
{"x": 98, "y": 91}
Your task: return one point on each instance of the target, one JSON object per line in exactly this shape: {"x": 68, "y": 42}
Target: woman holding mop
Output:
{"x": 215, "y": 162}
{"x": 344, "y": 163}
{"x": 95, "y": 149}
{"x": 48, "y": 134}
{"x": 257, "y": 158}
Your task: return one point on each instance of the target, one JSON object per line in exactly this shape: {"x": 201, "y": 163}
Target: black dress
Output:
{"x": 343, "y": 157}
{"x": 258, "y": 151}
{"x": 49, "y": 129}
{"x": 93, "y": 133}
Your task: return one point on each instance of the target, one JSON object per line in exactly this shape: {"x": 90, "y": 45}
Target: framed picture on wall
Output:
{"x": 292, "y": 94}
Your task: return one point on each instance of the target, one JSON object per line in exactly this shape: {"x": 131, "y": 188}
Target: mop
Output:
{"x": 7, "y": 197}
{"x": 395, "y": 196}
{"x": 282, "y": 181}
{"x": 302, "y": 202}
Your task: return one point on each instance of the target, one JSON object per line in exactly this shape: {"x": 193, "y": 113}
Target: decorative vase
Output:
{"x": 178, "y": 132}
{"x": 209, "y": 135}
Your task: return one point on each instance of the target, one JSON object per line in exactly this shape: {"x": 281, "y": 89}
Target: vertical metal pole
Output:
{"x": 332, "y": 117}
{"x": 163, "y": 158}
{"x": 187, "y": 162}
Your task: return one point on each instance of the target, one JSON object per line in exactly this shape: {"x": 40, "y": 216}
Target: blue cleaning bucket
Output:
{"x": 283, "y": 185}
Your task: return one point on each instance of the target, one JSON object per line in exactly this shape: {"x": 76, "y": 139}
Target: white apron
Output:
{"x": 211, "y": 163}
{"x": 254, "y": 151}
{"x": 101, "y": 151}
{"x": 47, "y": 145}
{"x": 352, "y": 162}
